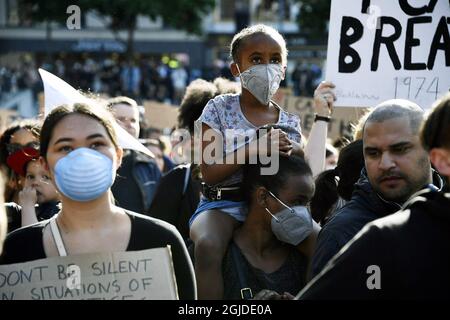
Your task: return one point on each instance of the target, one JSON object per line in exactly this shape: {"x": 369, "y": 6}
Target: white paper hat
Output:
{"x": 58, "y": 92}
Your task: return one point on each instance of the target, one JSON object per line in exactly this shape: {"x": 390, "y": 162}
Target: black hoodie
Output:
{"x": 365, "y": 206}
{"x": 410, "y": 249}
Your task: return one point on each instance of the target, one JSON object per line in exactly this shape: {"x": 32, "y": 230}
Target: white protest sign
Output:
{"x": 58, "y": 92}
{"x": 136, "y": 275}
{"x": 385, "y": 49}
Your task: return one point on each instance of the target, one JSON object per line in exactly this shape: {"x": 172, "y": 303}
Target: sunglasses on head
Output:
{"x": 14, "y": 147}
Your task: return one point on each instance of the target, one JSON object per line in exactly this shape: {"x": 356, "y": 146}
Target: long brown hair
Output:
{"x": 98, "y": 113}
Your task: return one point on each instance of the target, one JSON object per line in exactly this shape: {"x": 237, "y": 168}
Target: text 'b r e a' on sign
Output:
{"x": 386, "y": 49}
{"x": 137, "y": 275}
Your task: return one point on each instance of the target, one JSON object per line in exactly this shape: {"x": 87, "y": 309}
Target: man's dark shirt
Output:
{"x": 410, "y": 249}
{"x": 365, "y": 206}
{"x": 173, "y": 204}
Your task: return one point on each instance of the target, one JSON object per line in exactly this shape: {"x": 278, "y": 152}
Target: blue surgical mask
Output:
{"x": 292, "y": 224}
{"x": 84, "y": 174}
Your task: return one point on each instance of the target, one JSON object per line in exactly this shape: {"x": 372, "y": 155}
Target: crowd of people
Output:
{"x": 162, "y": 79}
{"x": 21, "y": 77}
{"x": 315, "y": 227}
{"x": 305, "y": 77}
{"x": 159, "y": 79}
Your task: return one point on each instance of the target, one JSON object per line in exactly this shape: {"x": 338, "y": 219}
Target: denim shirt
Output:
{"x": 136, "y": 182}
{"x": 148, "y": 176}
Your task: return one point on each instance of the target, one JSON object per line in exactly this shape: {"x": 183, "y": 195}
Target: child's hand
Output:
{"x": 27, "y": 200}
{"x": 279, "y": 141}
{"x": 274, "y": 139}
{"x": 27, "y": 197}
{"x": 324, "y": 98}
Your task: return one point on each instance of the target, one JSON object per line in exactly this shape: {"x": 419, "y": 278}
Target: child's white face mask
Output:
{"x": 262, "y": 80}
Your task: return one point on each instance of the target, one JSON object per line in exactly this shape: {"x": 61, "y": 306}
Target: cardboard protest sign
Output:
{"x": 340, "y": 124}
{"x": 386, "y": 49}
{"x": 147, "y": 274}
{"x": 160, "y": 116}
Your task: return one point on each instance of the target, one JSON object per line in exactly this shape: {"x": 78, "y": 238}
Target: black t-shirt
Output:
{"x": 403, "y": 256}
{"x": 26, "y": 244}
{"x": 290, "y": 277}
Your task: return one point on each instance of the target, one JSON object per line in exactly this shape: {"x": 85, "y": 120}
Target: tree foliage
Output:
{"x": 184, "y": 15}
{"x": 181, "y": 14}
{"x": 46, "y": 11}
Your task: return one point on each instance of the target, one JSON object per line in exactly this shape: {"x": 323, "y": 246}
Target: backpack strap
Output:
{"x": 186, "y": 178}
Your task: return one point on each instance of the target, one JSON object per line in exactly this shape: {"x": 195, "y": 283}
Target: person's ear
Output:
{"x": 261, "y": 197}
{"x": 440, "y": 158}
{"x": 119, "y": 156}
{"x": 234, "y": 69}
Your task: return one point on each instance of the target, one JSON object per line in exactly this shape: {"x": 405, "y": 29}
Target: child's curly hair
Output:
{"x": 197, "y": 95}
{"x": 238, "y": 39}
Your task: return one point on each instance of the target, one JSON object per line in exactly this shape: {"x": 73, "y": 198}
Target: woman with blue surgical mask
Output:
{"x": 80, "y": 149}
{"x": 265, "y": 259}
